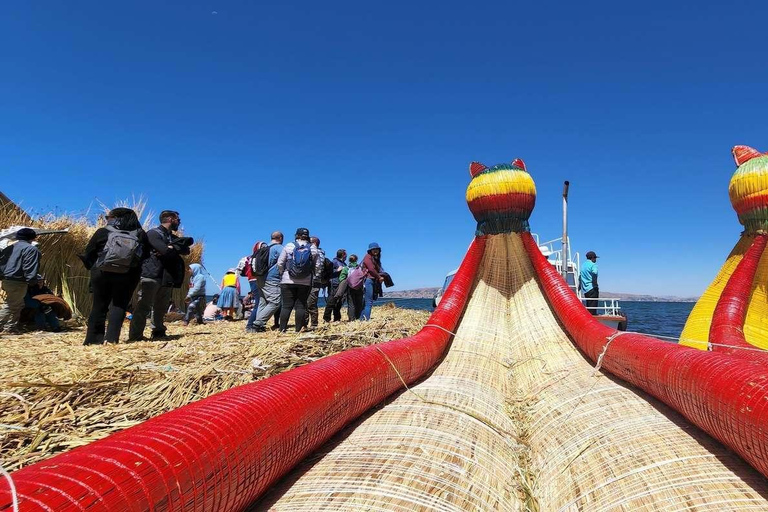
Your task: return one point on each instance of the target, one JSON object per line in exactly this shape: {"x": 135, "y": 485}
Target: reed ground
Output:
{"x": 58, "y": 394}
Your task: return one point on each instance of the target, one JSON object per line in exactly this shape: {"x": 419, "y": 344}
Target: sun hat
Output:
{"x": 373, "y": 245}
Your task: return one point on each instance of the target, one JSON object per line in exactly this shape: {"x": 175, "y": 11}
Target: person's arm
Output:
{"x": 319, "y": 260}
{"x": 197, "y": 286}
{"x": 157, "y": 243}
{"x": 281, "y": 260}
{"x": 370, "y": 266}
{"x": 95, "y": 244}
{"x": 30, "y": 264}
{"x": 594, "y": 277}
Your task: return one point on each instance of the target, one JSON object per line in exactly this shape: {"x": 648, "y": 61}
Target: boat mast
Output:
{"x": 564, "y": 268}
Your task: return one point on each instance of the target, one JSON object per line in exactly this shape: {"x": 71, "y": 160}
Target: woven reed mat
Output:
{"x": 515, "y": 418}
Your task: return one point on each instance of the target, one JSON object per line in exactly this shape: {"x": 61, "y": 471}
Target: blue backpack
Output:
{"x": 300, "y": 265}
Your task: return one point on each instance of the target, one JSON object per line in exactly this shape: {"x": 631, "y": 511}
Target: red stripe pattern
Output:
{"x": 727, "y": 326}
{"x": 725, "y": 396}
{"x": 223, "y": 452}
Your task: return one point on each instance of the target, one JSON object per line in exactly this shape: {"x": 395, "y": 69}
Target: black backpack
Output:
{"x": 260, "y": 261}
{"x": 121, "y": 252}
{"x": 327, "y": 273}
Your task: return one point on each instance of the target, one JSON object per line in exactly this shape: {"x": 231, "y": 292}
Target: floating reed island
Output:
{"x": 58, "y": 394}
{"x": 59, "y": 264}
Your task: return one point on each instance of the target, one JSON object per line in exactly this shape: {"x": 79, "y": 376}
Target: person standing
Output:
{"x": 161, "y": 272}
{"x": 372, "y": 264}
{"x": 114, "y": 256}
{"x": 230, "y": 294}
{"x": 297, "y": 263}
{"x": 196, "y": 295}
{"x": 317, "y": 285}
{"x": 355, "y": 299}
{"x": 246, "y": 269}
{"x": 333, "y": 304}
{"x": 268, "y": 282}
{"x": 19, "y": 266}
{"x": 588, "y": 282}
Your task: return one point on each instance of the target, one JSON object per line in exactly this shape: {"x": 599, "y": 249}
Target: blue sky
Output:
{"x": 358, "y": 120}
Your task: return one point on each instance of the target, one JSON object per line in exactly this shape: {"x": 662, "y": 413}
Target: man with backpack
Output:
{"x": 161, "y": 272}
{"x": 320, "y": 279}
{"x": 264, "y": 267}
{"x": 19, "y": 265}
{"x": 298, "y": 262}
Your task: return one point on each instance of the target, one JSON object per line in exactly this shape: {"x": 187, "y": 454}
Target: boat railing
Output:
{"x": 605, "y": 305}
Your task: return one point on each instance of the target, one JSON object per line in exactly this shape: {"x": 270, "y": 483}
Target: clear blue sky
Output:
{"x": 359, "y": 119}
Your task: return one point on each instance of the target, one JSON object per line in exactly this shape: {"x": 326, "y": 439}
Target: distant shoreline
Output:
{"x": 428, "y": 293}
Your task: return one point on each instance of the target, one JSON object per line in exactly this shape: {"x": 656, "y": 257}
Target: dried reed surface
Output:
{"x": 58, "y": 394}
{"x": 515, "y": 418}
{"x": 448, "y": 444}
{"x": 59, "y": 262}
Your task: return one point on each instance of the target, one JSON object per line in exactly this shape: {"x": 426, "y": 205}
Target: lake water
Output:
{"x": 663, "y": 318}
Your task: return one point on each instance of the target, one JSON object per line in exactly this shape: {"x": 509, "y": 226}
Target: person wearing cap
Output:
{"x": 588, "y": 281}
{"x": 19, "y": 267}
{"x": 111, "y": 291}
{"x": 372, "y": 264}
{"x": 295, "y": 290}
{"x": 161, "y": 272}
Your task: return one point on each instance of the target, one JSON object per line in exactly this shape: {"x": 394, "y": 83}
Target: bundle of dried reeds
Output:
{"x": 515, "y": 418}
{"x": 59, "y": 262}
{"x": 58, "y": 394}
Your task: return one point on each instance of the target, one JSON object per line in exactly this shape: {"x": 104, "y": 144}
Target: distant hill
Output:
{"x": 428, "y": 293}
{"x": 647, "y": 298}
{"x": 418, "y": 293}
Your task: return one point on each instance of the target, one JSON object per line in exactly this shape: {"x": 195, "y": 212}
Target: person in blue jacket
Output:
{"x": 588, "y": 281}
{"x": 196, "y": 294}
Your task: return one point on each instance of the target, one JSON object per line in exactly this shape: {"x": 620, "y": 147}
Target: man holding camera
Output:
{"x": 160, "y": 274}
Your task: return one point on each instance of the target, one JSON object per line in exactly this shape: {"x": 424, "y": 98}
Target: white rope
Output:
{"x": 441, "y": 328}
{"x": 14, "y": 496}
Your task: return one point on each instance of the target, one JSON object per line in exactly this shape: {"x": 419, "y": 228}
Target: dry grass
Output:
{"x": 58, "y": 394}
{"x": 59, "y": 262}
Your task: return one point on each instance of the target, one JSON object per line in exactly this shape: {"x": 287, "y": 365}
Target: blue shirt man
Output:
{"x": 588, "y": 281}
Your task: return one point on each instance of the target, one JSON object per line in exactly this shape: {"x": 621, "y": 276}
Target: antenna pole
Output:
{"x": 566, "y": 253}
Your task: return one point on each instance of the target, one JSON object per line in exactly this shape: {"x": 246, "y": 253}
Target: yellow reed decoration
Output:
{"x": 696, "y": 331}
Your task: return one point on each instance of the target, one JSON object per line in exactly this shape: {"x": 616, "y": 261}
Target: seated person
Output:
{"x": 212, "y": 311}
{"x": 248, "y": 303}
{"x": 45, "y": 316}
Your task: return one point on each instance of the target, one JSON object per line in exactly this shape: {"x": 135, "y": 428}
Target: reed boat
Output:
{"x": 511, "y": 397}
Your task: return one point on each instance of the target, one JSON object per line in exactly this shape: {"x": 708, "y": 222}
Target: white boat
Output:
{"x": 608, "y": 310}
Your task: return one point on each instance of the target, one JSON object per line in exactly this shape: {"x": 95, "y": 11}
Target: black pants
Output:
{"x": 355, "y": 302}
{"x": 109, "y": 288}
{"x": 332, "y": 305}
{"x": 312, "y": 312}
{"x": 294, "y": 296}
{"x": 592, "y": 304}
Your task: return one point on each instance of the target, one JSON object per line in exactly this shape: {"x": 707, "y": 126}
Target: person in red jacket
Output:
{"x": 372, "y": 264}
